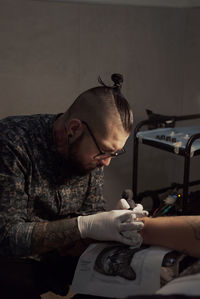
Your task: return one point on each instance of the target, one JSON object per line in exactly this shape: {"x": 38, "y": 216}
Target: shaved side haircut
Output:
{"x": 102, "y": 104}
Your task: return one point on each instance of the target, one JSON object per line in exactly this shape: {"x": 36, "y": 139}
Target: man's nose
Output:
{"x": 106, "y": 161}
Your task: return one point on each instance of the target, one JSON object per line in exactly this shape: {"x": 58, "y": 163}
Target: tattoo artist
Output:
{"x": 51, "y": 181}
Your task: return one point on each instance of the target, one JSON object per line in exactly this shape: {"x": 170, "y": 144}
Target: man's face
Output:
{"x": 81, "y": 157}
{"x": 76, "y": 159}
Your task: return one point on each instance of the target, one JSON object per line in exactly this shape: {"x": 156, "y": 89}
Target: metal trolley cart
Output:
{"x": 163, "y": 133}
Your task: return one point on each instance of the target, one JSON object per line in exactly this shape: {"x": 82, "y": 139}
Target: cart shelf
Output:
{"x": 172, "y": 139}
{"x": 162, "y": 133}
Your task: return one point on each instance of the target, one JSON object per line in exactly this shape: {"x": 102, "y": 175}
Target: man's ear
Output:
{"x": 74, "y": 128}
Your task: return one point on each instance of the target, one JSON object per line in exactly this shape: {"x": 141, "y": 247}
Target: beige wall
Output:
{"x": 50, "y": 52}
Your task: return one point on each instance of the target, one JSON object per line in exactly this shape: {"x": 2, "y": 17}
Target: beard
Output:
{"x": 72, "y": 164}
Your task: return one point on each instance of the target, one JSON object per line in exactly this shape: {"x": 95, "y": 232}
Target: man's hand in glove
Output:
{"x": 122, "y": 204}
{"x": 127, "y": 203}
{"x": 138, "y": 212}
{"x": 138, "y": 208}
{"x": 109, "y": 226}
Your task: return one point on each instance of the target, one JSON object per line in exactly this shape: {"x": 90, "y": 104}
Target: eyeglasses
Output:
{"x": 103, "y": 155}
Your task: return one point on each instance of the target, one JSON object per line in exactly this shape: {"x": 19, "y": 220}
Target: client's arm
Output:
{"x": 181, "y": 233}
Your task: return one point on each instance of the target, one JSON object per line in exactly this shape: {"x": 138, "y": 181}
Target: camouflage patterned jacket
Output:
{"x": 31, "y": 185}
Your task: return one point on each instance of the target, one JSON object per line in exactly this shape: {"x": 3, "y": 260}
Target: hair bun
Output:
{"x": 117, "y": 79}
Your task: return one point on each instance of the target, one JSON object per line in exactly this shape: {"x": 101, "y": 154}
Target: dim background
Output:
{"x": 50, "y": 51}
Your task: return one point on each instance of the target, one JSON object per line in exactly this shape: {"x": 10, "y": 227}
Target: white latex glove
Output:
{"x": 122, "y": 204}
{"x": 138, "y": 209}
{"x": 133, "y": 235}
{"x": 139, "y": 212}
{"x": 108, "y": 226}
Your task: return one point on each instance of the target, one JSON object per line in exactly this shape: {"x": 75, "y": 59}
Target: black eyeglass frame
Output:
{"x": 103, "y": 155}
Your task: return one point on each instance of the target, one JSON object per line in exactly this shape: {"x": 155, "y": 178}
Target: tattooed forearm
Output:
{"x": 194, "y": 222}
{"x": 48, "y": 236}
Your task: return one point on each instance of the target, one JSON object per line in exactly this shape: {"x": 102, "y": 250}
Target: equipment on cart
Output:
{"x": 163, "y": 133}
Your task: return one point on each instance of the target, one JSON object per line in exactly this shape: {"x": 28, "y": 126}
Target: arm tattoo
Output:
{"x": 48, "y": 236}
{"x": 194, "y": 222}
